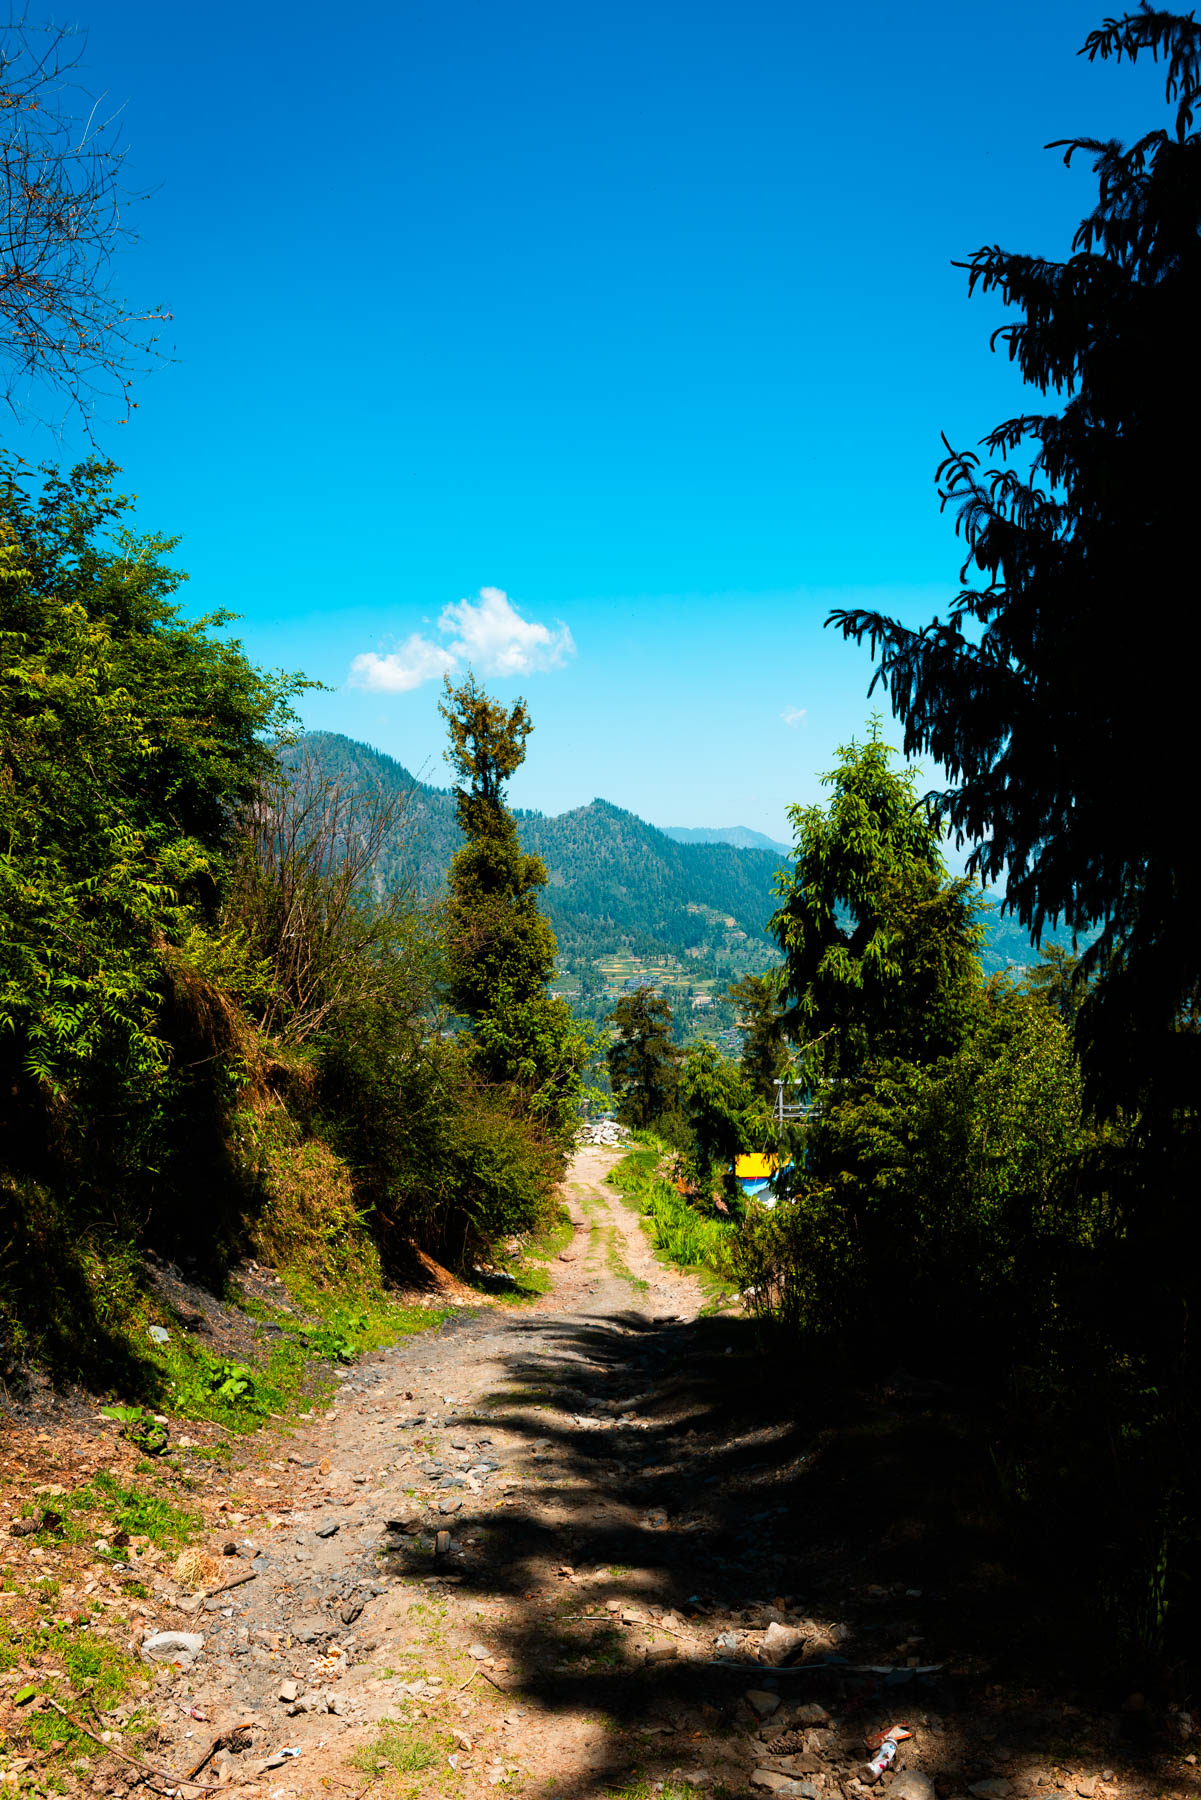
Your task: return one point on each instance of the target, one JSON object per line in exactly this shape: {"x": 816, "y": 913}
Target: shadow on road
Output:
{"x": 674, "y": 1468}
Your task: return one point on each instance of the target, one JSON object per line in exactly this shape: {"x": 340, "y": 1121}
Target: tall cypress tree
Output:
{"x": 500, "y": 949}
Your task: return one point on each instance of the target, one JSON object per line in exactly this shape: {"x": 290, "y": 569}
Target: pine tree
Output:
{"x": 1058, "y": 692}
{"x": 643, "y": 1061}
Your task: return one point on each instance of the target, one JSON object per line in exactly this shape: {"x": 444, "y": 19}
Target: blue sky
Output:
{"x": 632, "y": 323}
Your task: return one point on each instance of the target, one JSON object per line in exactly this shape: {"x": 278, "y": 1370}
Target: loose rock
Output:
{"x": 780, "y": 1643}
{"x": 764, "y": 1704}
{"x": 912, "y": 1785}
{"x": 179, "y": 1647}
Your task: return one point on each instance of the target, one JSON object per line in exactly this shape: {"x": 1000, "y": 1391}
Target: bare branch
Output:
{"x": 62, "y": 329}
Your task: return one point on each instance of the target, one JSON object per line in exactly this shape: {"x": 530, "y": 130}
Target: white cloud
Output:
{"x": 794, "y": 715}
{"x": 489, "y": 633}
{"x": 492, "y": 636}
{"x": 401, "y": 670}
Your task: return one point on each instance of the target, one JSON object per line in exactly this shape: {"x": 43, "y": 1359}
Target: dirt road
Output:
{"x": 563, "y": 1548}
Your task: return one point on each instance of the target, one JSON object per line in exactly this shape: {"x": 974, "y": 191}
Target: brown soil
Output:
{"x": 633, "y": 1496}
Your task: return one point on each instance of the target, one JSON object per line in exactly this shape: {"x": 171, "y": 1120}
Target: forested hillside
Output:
{"x": 617, "y": 884}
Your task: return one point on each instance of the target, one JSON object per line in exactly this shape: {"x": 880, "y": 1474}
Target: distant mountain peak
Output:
{"x": 740, "y": 836}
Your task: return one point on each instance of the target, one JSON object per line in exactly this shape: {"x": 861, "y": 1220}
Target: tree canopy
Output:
{"x": 643, "y": 1061}
{"x": 500, "y": 949}
{"x": 129, "y": 739}
{"x": 879, "y": 944}
{"x": 1055, "y": 692}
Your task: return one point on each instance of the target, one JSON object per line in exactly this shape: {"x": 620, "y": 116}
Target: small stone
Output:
{"x": 351, "y": 1611}
{"x": 763, "y": 1703}
{"x": 442, "y": 1544}
{"x": 779, "y": 1643}
{"x": 661, "y": 1653}
{"x": 452, "y": 1504}
{"x": 912, "y": 1786}
{"x": 1086, "y": 1787}
{"x": 996, "y": 1788}
{"x": 811, "y": 1714}
{"x": 480, "y": 1652}
{"x": 785, "y": 1785}
{"x": 288, "y": 1691}
{"x": 327, "y": 1531}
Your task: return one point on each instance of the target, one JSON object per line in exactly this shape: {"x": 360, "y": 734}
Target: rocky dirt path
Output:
{"x": 602, "y": 1545}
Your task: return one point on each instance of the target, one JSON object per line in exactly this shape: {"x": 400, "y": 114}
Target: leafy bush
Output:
{"x": 965, "y": 1178}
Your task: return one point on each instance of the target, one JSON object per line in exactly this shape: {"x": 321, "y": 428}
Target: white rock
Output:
{"x": 181, "y": 1647}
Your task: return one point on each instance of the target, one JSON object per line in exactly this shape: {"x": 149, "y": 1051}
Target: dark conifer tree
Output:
{"x": 1057, "y": 693}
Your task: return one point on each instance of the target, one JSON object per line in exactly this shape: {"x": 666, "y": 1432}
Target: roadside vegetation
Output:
{"x": 218, "y": 1039}
{"x": 229, "y": 1046}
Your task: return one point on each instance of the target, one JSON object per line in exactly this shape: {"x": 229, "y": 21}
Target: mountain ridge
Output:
{"x": 617, "y": 883}
{"x": 742, "y": 837}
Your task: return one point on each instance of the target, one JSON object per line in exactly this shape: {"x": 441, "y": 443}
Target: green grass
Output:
{"x": 81, "y": 1664}
{"x": 530, "y": 1276}
{"x": 681, "y": 1233}
{"x": 141, "y": 1513}
{"x": 399, "y": 1749}
{"x": 554, "y": 1237}
{"x": 134, "y": 1509}
{"x": 617, "y": 1265}
{"x": 192, "y": 1383}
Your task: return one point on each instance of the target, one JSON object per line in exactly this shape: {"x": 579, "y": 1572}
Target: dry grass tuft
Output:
{"x": 196, "y": 1569}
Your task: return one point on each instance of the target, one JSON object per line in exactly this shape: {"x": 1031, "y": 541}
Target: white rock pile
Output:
{"x": 605, "y": 1132}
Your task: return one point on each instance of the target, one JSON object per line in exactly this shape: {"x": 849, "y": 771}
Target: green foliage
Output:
{"x": 439, "y": 1154}
{"x": 642, "y": 1060}
{"x": 127, "y": 740}
{"x": 617, "y": 887}
{"x": 1061, "y": 979}
{"x": 1032, "y": 709}
{"x": 398, "y": 1747}
{"x": 879, "y": 945}
{"x": 964, "y": 1176}
{"x": 686, "y": 1230}
{"x": 137, "y": 1511}
{"x": 765, "y": 1059}
{"x": 139, "y": 1428}
{"x": 315, "y": 938}
{"x": 725, "y": 1117}
{"x": 1018, "y": 694}
{"x": 500, "y": 950}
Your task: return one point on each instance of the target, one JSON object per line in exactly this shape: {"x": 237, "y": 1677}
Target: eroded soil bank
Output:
{"x": 593, "y": 1545}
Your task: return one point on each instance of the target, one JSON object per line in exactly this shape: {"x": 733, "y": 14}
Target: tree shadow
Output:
{"x": 688, "y": 1470}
